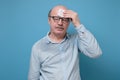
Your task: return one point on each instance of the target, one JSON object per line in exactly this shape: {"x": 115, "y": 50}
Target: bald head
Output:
{"x": 57, "y": 10}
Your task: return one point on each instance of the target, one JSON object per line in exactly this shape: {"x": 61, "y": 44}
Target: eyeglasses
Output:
{"x": 57, "y": 19}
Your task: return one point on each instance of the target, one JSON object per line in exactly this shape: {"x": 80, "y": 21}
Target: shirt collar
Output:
{"x": 48, "y": 40}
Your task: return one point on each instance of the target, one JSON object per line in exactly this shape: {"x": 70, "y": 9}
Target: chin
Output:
{"x": 60, "y": 32}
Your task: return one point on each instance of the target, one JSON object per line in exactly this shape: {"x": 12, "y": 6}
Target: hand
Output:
{"x": 73, "y": 15}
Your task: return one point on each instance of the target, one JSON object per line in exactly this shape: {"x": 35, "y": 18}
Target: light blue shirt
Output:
{"x": 60, "y": 61}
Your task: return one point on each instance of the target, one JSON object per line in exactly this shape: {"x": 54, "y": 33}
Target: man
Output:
{"x": 55, "y": 57}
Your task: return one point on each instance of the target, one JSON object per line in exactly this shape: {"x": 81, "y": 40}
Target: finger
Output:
{"x": 67, "y": 15}
{"x": 68, "y": 11}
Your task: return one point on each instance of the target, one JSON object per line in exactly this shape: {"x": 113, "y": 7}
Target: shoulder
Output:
{"x": 39, "y": 43}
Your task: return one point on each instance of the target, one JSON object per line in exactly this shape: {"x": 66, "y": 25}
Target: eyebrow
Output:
{"x": 59, "y": 17}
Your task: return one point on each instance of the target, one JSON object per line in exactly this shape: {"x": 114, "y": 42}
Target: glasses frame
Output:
{"x": 57, "y": 19}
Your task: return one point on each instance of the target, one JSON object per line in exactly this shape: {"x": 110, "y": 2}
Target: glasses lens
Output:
{"x": 65, "y": 19}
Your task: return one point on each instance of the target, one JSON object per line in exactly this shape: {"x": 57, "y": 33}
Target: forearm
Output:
{"x": 87, "y": 42}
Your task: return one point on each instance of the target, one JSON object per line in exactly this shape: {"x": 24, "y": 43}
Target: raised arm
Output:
{"x": 86, "y": 41}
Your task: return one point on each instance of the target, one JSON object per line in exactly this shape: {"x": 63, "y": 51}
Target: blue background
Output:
{"x": 23, "y": 22}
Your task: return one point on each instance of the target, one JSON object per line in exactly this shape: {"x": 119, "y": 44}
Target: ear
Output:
{"x": 48, "y": 20}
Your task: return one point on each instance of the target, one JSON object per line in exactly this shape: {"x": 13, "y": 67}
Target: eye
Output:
{"x": 56, "y": 18}
{"x": 66, "y": 19}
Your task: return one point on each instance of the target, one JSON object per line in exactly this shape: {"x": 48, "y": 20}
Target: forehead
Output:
{"x": 56, "y": 9}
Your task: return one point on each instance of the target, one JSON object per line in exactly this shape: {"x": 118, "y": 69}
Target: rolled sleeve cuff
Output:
{"x": 81, "y": 29}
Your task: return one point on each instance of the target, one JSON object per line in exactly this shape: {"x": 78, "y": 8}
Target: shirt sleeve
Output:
{"x": 34, "y": 70}
{"x": 87, "y": 43}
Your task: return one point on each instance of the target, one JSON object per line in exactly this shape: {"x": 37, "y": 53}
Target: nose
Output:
{"x": 60, "y": 22}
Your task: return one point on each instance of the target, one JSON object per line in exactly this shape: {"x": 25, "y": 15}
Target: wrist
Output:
{"x": 77, "y": 24}
{"x": 80, "y": 28}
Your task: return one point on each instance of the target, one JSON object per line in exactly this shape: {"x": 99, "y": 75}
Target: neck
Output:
{"x": 56, "y": 37}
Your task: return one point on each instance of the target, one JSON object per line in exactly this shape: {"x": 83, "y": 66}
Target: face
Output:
{"x": 58, "y": 24}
